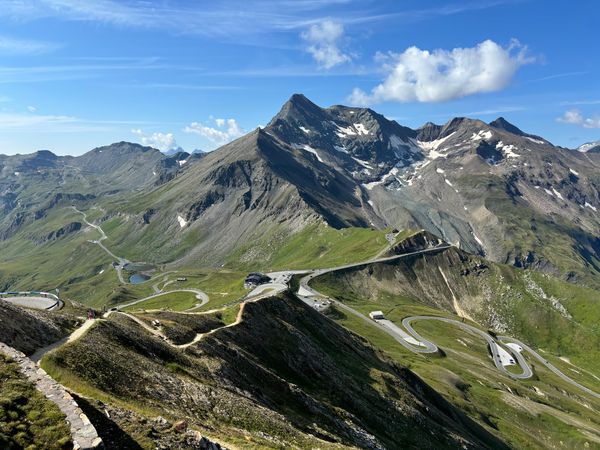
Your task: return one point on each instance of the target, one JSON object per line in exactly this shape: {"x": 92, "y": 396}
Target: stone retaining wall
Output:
{"x": 83, "y": 433}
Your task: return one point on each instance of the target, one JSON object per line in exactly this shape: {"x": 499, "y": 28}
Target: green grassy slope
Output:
{"x": 27, "y": 418}
{"x": 534, "y": 413}
{"x": 285, "y": 377}
{"x": 315, "y": 246}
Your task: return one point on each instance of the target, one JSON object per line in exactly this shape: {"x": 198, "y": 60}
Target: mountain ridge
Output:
{"x": 480, "y": 186}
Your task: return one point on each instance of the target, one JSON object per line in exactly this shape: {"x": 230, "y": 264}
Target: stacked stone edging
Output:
{"x": 83, "y": 433}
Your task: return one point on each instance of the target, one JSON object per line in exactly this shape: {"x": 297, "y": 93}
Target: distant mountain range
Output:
{"x": 174, "y": 151}
{"x": 489, "y": 188}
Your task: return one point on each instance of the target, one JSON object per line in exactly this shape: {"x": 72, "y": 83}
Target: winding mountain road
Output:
{"x": 414, "y": 342}
{"x": 98, "y": 242}
{"x": 200, "y": 295}
{"x": 494, "y": 347}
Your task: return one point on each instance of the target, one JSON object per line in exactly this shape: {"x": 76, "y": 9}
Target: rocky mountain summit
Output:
{"x": 489, "y": 188}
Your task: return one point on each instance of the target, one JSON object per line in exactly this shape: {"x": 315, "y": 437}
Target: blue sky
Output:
{"x": 75, "y": 74}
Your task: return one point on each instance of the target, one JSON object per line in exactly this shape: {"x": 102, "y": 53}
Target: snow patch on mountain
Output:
{"x": 344, "y": 132}
{"x": 588, "y": 146}
{"x": 558, "y": 194}
{"x": 507, "y": 150}
{"x": 306, "y": 130}
{"x": 182, "y": 221}
{"x": 482, "y": 134}
{"x": 372, "y": 184}
{"x": 537, "y": 141}
{"x": 429, "y": 146}
{"x": 363, "y": 163}
{"x": 361, "y": 129}
{"x": 309, "y": 149}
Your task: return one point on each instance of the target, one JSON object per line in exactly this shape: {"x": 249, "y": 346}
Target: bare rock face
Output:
{"x": 63, "y": 231}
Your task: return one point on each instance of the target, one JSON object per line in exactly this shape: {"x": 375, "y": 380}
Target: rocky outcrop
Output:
{"x": 63, "y": 231}
{"x": 419, "y": 241}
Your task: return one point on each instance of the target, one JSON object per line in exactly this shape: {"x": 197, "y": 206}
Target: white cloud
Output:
{"x": 441, "y": 75}
{"x": 225, "y": 130}
{"x": 323, "y": 39}
{"x": 161, "y": 141}
{"x": 12, "y": 46}
{"x": 31, "y": 109}
{"x": 29, "y": 122}
{"x": 574, "y": 117}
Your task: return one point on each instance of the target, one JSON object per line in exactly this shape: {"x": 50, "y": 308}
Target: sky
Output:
{"x": 77, "y": 74}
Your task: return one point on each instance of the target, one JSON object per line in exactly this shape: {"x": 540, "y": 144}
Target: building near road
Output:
{"x": 254, "y": 279}
{"x": 376, "y": 315}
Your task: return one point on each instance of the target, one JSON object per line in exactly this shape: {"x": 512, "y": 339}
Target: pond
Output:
{"x": 138, "y": 278}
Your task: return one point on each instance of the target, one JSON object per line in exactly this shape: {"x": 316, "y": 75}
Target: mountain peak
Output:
{"x": 299, "y": 99}
{"x": 124, "y": 147}
{"x": 503, "y": 124}
{"x": 459, "y": 122}
{"x": 45, "y": 155}
{"x": 298, "y": 108}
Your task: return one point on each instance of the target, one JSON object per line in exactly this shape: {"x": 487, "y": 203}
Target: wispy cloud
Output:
{"x": 33, "y": 123}
{"x": 561, "y": 75}
{"x": 227, "y": 19}
{"x": 188, "y": 87}
{"x": 14, "y": 46}
{"x": 581, "y": 102}
{"x": 27, "y": 74}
